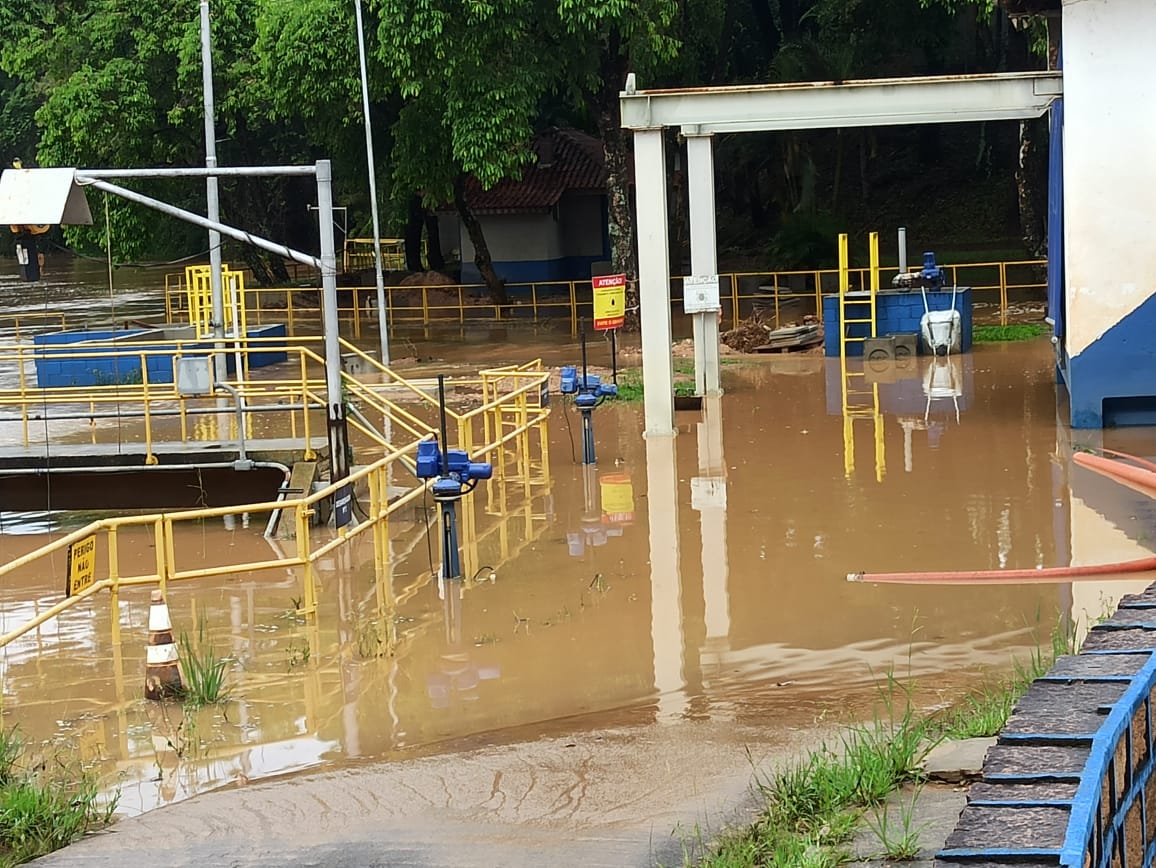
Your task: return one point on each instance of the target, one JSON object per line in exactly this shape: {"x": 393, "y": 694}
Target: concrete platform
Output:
{"x": 115, "y": 476}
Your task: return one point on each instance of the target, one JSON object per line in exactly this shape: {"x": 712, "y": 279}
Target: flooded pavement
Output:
{"x": 699, "y": 579}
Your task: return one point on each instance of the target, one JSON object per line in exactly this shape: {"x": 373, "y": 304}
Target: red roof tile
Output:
{"x": 567, "y": 161}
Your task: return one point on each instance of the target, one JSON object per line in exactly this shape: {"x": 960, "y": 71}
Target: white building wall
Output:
{"x": 1109, "y": 163}
{"x": 517, "y": 237}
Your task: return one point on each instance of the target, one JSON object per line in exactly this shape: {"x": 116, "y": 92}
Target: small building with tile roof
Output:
{"x": 551, "y": 223}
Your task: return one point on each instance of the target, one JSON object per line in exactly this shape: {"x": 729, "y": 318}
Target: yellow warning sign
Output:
{"x": 81, "y": 566}
{"x": 609, "y": 301}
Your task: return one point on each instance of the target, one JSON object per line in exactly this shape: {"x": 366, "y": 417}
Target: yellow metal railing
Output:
{"x": 293, "y": 391}
{"x": 781, "y": 295}
{"x": 359, "y": 254}
{"x": 169, "y": 567}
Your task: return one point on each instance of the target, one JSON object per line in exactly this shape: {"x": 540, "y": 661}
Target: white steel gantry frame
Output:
{"x": 700, "y": 113}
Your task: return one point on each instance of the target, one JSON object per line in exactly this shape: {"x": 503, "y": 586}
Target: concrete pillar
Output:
{"x": 703, "y": 257}
{"x": 666, "y": 626}
{"x": 1109, "y": 186}
{"x": 654, "y": 282}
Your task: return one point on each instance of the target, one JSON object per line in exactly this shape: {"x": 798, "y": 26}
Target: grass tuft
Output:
{"x": 205, "y": 675}
{"x": 45, "y": 804}
{"x": 985, "y": 334}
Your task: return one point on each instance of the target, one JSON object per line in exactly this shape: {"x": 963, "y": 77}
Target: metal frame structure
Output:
{"x": 22, "y": 191}
{"x": 699, "y": 113}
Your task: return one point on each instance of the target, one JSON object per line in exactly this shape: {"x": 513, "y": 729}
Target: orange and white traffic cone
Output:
{"x": 162, "y": 667}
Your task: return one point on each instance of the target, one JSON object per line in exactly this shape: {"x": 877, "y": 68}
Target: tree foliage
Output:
{"x": 460, "y": 87}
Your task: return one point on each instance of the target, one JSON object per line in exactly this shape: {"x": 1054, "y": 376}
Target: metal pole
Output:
{"x": 338, "y": 433}
{"x": 445, "y": 445}
{"x": 382, "y": 317}
{"x": 614, "y": 355}
{"x": 582, "y": 334}
{"x": 217, "y": 314}
{"x": 902, "y": 250}
{"x": 198, "y": 220}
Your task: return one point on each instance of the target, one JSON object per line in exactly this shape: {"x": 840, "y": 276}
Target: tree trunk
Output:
{"x": 1030, "y": 183}
{"x": 482, "y": 258}
{"x": 415, "y": 222}
{"x": 433, "y": 243}
{"x": 603, "y": 106}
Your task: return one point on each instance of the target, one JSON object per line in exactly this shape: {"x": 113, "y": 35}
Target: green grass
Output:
{"x": 45, "y": 803}
{"x": 206, "y": 676}
{"x": 983, "y": 334}
{"x": 630, "y": 381}
{"x": 983, "y": 713}
{"x": 813, "y": 809}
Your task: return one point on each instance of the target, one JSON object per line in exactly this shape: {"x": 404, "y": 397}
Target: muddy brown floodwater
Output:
{"x": 696, "y": 578}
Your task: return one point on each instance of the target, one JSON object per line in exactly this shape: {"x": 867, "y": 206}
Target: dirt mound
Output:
{"x": 426, "y": 278}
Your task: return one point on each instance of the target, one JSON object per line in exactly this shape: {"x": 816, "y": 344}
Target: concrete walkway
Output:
{"x": 631, "y": 796}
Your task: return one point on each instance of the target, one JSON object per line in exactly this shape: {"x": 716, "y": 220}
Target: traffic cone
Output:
{"x": 162, "y": 667}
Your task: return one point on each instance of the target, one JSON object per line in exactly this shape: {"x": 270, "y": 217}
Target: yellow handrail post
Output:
{"x": 1003, "y": 293}
{"x": 182, "y": 403}
{"x": 289, "y": 312}
{"x": 301, "y": 535}
{"x": 150, "y": 458}
{"x": 425, "y": 306}
{"x": 161, "y": 551}
{"x": 819, "y": 290}
{"x": 534, "y": 299}
{"x": 23, "y": 390}
{"x": 573, "y": 309}
{"x": 309, "y": 454}
{"x": 461, "y": 308}
{"x": 375, "y": 517}
{"x": 735, "y": 300}
{"x": 113, "y": 565}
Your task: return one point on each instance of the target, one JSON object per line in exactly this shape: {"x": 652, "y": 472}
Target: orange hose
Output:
{"x": 1044, "y": 576}
{"x": 1142, "y": 478}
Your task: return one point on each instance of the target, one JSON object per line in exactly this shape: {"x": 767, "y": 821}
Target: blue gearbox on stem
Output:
{"x": 589, "y": 391}
{"x": 453, "y": 476}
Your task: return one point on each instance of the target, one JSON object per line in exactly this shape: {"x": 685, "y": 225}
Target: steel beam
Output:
{"x": 824, "y": 105}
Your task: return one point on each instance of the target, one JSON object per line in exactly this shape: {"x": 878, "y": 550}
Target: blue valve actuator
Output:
{"x": 932, "y": 274}
{"x": 588, "y": 388}
{"x": 458, "y": 465}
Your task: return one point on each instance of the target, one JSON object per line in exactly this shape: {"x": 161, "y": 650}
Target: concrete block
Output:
{"x": 879, "y": 349}
{"x": 955, "y": 761}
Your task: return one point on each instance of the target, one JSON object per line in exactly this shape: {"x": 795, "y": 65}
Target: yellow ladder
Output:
{"x": 860, "y": 399}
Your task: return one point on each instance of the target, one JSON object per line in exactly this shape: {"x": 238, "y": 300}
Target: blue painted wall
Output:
{"x": 1113, "y": 382}
{"x": 896, "y": 313}
{"x": 99, "y": 368}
